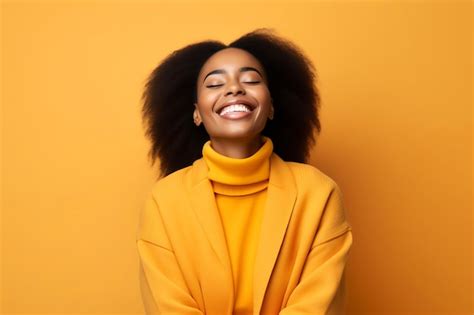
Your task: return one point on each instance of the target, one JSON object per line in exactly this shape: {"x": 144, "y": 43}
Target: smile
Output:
{"x": 235, "y": 111}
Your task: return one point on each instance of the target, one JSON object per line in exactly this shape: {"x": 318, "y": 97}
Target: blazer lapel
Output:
{"x": 204, "y": 205}
{"x": 281, "y": 197}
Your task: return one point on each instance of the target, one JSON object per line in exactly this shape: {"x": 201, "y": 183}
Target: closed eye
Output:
{"x": 217, "y": 85}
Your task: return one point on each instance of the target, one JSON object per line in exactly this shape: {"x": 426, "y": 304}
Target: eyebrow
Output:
{"x": 221, "y": 71}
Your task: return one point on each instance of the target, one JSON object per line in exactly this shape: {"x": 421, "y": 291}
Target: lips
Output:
{"x": 233, "y": 102}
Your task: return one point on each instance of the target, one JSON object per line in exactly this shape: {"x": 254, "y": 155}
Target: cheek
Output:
{"x": 263, "y": 96}
{"x": 207, "y": 100}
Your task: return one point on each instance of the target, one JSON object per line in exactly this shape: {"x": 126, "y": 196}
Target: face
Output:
{"x": 235, "y": 77}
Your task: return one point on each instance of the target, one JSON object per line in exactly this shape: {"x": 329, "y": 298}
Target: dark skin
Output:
{"x": 241, "y": 77}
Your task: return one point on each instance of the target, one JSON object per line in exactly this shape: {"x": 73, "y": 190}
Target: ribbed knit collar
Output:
{"x": 232, "y": 176}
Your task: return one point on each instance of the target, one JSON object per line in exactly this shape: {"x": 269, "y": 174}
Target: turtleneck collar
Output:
{"x": 232, "y": 176}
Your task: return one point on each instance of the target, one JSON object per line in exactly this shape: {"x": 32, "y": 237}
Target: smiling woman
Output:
{"x": 238, "y": 222}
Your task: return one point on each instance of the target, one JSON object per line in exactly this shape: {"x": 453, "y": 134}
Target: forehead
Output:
{"x": 230, "y": 59}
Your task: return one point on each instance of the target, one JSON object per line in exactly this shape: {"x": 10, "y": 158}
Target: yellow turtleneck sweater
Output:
{"x": 240, "y": 187}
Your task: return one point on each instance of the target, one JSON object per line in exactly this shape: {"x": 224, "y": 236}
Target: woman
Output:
{"x": 239, "y": 223}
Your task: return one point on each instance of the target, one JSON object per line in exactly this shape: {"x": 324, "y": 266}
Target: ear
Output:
{"x": 196, "y": 115}
{"x": 272, "y": 112}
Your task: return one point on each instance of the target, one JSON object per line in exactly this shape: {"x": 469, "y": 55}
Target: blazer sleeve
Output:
{"x": 320, "y": 290}
{"x": 162, "y": 285}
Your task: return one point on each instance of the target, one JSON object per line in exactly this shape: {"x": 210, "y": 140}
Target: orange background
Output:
{"x": 396, "y": 87}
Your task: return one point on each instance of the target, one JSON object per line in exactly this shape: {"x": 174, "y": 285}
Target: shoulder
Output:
{"x": 307, "y": 175}
{"x": 170, "y": 184}
{"x": 310, "y": 181}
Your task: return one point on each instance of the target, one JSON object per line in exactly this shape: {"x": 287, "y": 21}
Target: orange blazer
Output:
{"x": 303, "y": 247}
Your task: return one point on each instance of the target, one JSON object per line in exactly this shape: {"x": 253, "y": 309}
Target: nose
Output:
{"x": 235, "y": 88}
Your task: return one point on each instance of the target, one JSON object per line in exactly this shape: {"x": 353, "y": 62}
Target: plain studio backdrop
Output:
{"x": 396, "y": 86}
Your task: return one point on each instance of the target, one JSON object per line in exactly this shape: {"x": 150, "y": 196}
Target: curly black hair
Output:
{"x": 170, "y": 92}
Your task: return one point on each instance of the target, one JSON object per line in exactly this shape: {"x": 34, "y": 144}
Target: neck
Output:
{"x": 237, "y": 148}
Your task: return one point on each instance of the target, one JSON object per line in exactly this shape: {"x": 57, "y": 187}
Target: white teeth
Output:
{"x": 235, "y": 108}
